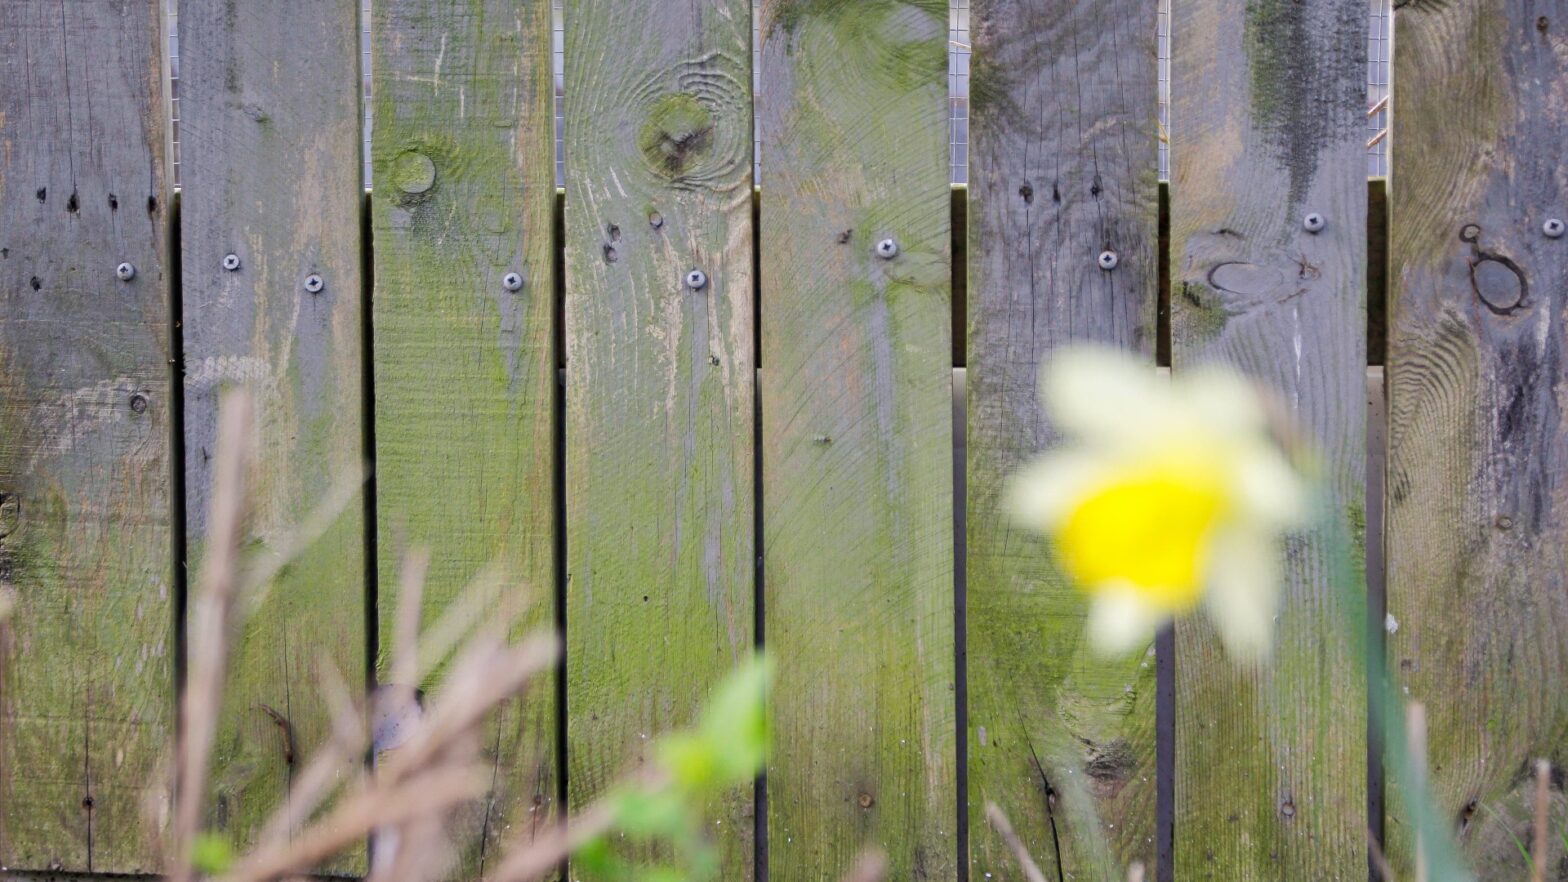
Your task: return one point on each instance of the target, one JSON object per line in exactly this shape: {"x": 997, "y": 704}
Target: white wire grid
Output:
{"x": 1379, "y": 40}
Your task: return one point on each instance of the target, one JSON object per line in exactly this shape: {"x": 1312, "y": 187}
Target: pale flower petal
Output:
{"x": 1269, "y": 488}
{"x": 1121, "y": 620}
{"x": 1100, "y": 394}
{"x": 1243, "y": 595}
{"x": 1224, "y": 402}
{"x": 1044, "y": 492}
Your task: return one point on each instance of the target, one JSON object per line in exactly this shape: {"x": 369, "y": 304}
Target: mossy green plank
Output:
{"x": 1062, "y": 168}
{"x": 1268, "y": 126}
{"x": 86, "y": 408}
{"x": 1477, "y": 591}
{"x": 270, "y": 167}
{"x": 464, "y": 365}
{"x": 660, "y": 371}
{"x": 857, "y": 436}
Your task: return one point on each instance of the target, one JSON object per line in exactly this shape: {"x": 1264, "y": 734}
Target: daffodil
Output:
{"x": 1165, "y": 496}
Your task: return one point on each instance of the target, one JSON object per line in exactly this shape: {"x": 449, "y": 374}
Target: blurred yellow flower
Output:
{"x": 1166, "y": 494}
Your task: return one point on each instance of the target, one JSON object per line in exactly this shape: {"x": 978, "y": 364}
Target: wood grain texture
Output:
{"x": 1267, "y": 127}
{"x": 270, "y": 167}
{"x": 1063, "y": 166}
{"x": 659, "y": 382}
{"x": 86, "y": 676}
{"x": 463, "y": 194}
{"x": 857, "y": 436}
{"x": 1476, "y": 512}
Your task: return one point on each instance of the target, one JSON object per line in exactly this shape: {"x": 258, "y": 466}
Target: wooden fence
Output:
{"x": 712, "y": 417}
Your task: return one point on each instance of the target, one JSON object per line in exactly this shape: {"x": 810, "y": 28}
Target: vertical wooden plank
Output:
{"x": 269, "y": 138}
{"x": 1476, "y": 511}
{"x": 659, "y": 380}
{"x": 857, "y": 435}
{"x": 1063, "y": 167}
{"x": 1268, "y": 126}
{"x": 463, "y": 340}
{"x": 86, "y": 682}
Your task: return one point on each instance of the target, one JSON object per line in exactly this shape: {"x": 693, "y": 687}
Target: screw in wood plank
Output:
{"x": 1504, "y": 522}
{"x": 1553, "y": 228}
{"x": 1109, "y": 260}
{"x": 139, "y": 403}
{"x": 314, "y": 284}
{"x": 512, "y": 281}
{"x": 696, "y": 279}
{"x": 231, "y": 262}
{"x": 1313, "y": 223}
{"x": 887, "y": 249}
{"x": 125, "y": 272}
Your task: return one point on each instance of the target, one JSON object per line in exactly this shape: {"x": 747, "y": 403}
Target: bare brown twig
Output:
{"x": 1540, "y": 849}
{"x": 212, "y": 620}
{"x": 1020, "y": 854}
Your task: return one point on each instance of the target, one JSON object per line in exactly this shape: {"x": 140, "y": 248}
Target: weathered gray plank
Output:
{"x": 463, "y": 191}
{"x": 1267, "y": 127}
{"x": 270, "y": 167}
{"x": 1476, "y": 511}
{"x": 1062, "y": 167}
{"x": 659, "y": 381}
{"x": 86, "y": 681}
{"x": 857, "y": 435}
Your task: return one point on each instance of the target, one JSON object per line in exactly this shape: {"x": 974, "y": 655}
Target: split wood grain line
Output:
{"x": 857, "y": 435}
{"x": 1270, "y": 101}
{"x": 464, "y": 361}
{"x": 659, "y": 382}
{"x": 86, "y": 669}
{"x": 271, "y": 198}
{"x": 1476, "y": 514}
{"x": 1063, "y": 168}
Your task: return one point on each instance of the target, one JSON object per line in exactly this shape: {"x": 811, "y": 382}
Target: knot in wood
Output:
{"x": 677, "y": 135}
{"x": 413, "y": 172}
{"x": 866, "y": 801}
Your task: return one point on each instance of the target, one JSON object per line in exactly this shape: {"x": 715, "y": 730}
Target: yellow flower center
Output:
{"x": 1149, "y": 530}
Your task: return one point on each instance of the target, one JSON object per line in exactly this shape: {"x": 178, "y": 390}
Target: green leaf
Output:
{"x": 211, "y": 854}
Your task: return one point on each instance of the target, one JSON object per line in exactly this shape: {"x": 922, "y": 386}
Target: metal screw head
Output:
{"x": 696, "y": 279}
{"x": 511, "y": 281}
{"x": 1109, "y": 260}
{"x": 231, "y": 262}
{"x": 139, "y": 403}
{"x": 125, "y": 272}
{"x": 887, "y": 249}
{"x": 313, "y": 283}
{"x": 1553, "y": 228}
{"x": 1313, "y": 222}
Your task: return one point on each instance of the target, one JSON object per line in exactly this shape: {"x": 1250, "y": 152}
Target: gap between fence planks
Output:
{"x": 463, "y": 342}
{"x": 270, "y": 165}
{"x": 1063, "y": 168}
{"x": 86, "y": 404}
{"x": 1269, "y": 102}
{"x": 659, "y": 383}
{"x": 1476, "y": 589}
{"x": 857, "y": 434}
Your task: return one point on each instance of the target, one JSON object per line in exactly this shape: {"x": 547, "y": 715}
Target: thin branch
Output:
{"x": 1020, "y": 853}
{"x": 212, "y": 620}
{"x": 1541, "y": 847}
